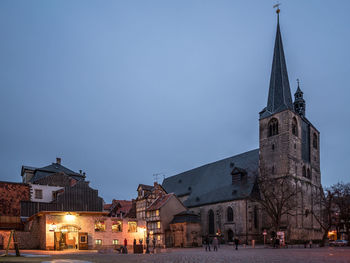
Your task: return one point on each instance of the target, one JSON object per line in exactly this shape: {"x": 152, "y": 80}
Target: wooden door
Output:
{"x": 83, "y": 241}
{"x": 57, "y": 239}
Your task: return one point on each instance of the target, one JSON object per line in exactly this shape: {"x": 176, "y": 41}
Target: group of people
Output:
{"x": 215, "y": 243}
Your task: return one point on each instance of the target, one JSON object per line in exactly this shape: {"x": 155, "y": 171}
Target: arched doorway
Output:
{"x": 211, "y": 222}
{"x": 230, "y": 235}
{"x": 66, "y": 237}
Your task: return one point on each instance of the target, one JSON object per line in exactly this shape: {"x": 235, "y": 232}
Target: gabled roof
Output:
{"x": 280, "y": 97}
{"x": 145, "y": 187}
{"x": 53, "y": 168}
{"x": 212, "y": 183}
{"x": 160, "y": 202}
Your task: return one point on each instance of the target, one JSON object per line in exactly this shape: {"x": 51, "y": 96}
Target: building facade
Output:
{"x": 289, "y": 145}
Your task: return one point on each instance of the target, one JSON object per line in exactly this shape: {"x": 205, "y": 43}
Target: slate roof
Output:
{"x": 53, "y": 168}
{"x": 186, "y": 217}
{"x": 212, "y": 183}
{"x": 280, "y": 97}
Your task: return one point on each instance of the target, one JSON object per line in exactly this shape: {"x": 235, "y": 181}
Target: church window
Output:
{"x": 273, "y": 147}
{"x": 273, "y": 169}
{"x": 229, "y": 214}
{"x": 211, "y": 222}
{"x": 255, "y": 216}
{"x": 273, "y": 127}
{"x": 314, "y": 141}
{"x": 304, "y": 171}
{"x": 294, "y": 127}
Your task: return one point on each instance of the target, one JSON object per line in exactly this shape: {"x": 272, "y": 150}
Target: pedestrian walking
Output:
{"x": 207, "y": 244}
{"x": 215, "y": 243}
{"x": 236, "y": 240}
{"x": 310, "y": 243}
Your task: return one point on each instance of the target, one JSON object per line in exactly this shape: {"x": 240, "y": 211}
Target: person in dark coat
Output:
{"x": 236, "y": 240}
{"x": 207, "y": 243}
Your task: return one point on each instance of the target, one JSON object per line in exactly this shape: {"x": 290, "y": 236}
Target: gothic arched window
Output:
{"x": 211, "y": 222}
{"x": 314, "y": 141}
{"x": 295, "y": 127}
{"x": 273, "y": 127}
{"x": 229, "y": 214}
{"x": 304, "y": 171}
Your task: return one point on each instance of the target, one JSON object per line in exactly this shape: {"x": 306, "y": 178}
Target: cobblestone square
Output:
{"x": 199, "y": 255}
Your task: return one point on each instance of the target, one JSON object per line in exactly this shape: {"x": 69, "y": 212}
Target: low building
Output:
{"x": 159, "y": 215}
{"x": 185, "y": 230}
{"x": 83, "y": 230}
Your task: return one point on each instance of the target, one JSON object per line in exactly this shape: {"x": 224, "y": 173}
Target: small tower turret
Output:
{"x": 299, "y": 102}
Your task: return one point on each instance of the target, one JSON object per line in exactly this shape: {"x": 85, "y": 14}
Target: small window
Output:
{"x": 38, "y": 194}
{"x": 132, "y": 226}
{"x": 308, "y": 173}
{"x": 273, "y": 147}
{"x": 158, "y": 238}
{"x": 294, "y": 127}
{"x": 229, "y": 214}
{"x": 115, "y": 242}
{"x": 83, "y": 239}
{"x": 273, "y": 127}
{"x": 100, "y": 226}
{"x": 98, "y": 241}
{"x": 304, "y": 171}
{"x": 117, "y": 226}
{"x": 157, "y": 212}
{"x": 158, "y": 224}
{"x": 314, "y": 141}
{"x": 273, "y": 169}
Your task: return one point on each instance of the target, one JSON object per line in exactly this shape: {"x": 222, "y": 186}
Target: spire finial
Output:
{"x": 278, "y": 10}
{"x": 298, "y": 81}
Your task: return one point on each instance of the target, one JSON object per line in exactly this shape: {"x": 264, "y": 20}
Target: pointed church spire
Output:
{"x": 279, "y": 92}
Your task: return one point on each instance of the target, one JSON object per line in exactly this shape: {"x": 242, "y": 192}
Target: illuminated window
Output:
{"x": 157, "y": 212}
{"x": 158, "y": 237}
{"x": 100, "y": 226}
{"x": 98, "y": 241}
{"x": 158, "y": 224}
{"x": 117, "y": 226}
{"x": 115, "y": 242}
{"x": 132, "y": 226}
{"x": 38, "y": 194}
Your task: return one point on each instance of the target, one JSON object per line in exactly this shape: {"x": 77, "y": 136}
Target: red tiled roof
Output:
{"x": 123, "y": 206}
{"x": 160, "y": 201}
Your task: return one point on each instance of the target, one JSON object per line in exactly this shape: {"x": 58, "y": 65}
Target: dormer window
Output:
{"x": 273, "y": 127}
{"x": 238, "y": 175}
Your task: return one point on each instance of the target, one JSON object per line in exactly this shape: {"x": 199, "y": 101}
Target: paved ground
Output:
{"x": 198, "y": 255}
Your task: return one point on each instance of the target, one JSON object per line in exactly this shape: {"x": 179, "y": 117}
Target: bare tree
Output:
{"x": 277, "y": 195}
{"x": 341, "y": 192}
{"x": 325, "y": 216}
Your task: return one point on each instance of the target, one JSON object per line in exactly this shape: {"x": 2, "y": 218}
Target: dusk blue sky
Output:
{"x": 127, "y": 89}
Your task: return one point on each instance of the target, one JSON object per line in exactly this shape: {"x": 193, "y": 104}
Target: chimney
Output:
{"x": 58, "y": 160}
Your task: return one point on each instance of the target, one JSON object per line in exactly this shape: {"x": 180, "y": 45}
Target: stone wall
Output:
{"x": 11, "y": 195}
{"x": 25, "y": 240}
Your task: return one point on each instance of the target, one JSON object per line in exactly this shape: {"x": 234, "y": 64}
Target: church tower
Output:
{"x": 289, "y": 143}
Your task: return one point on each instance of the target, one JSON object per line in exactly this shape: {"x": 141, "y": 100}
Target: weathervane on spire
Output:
{"x": 277, "y": 11}
{"x": 278, "y": 7}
